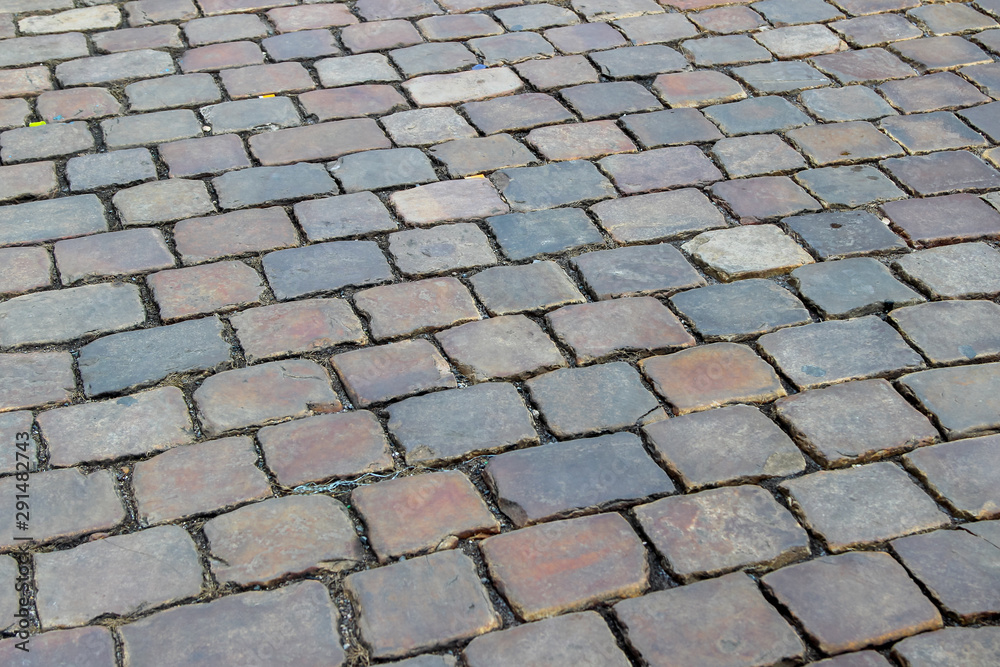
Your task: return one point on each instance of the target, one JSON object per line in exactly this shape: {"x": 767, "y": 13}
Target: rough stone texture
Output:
{"x": 851, "y": 287}
{"x": 548, "y": 232}
{"x": 457, "y": 423}
{"x": 837, "y": 351}
{"x": 265, "y": 541}
{"x": 387, "y": 372}
{"x": 963, "y": 400}
{"x": 660, "y": 169}
{"x": 50, "y": 220}
{"x": 739, "y": 310}
{"x": 411, "y": 308}
{"x": 636, "y": 271}
{"x": 163, "y": 201}
{"x": 356, "y": 214}
{"x": 36, "y": 379}
{"x": 731, "y": 444}
{"x": 116, "y": 253}
{"x": 534, "y": 287}
{"x": 950, "y": 332}
{"x": 870, "y": 600}
{"x": 755, "y": 251}
{"x": 301, "y": 326}
{"x": 415, "y": 515}
{"x": 854, "y": 422}
{"x": 975, "y": 647}
{"x": 346, "y": 444}
{"x": 579, "y": 401}
{"x": 444, "y": 89}
{"x": 85, "y": 647}
{"x": 663, "y": 215}
{"x": 862, "y": 505}
{"x": 118, "y": 575}
{"x": 948, "y": 219}
{"x": 564, "y": 479}
{"x": 266, "y": 392}
{"x": 961, "y": 474}
{"x": 708, "y": 376}
{"x": 325, "y": 267}
{"x": 238, "y": 233}
{"x": 683, "y": 626}
{"x": 753, "y": 200}
{"x": 446, "y": 201}
{"x": 423, "y": 252}
{"x": 393, "y": 603}
{"x": 27, "y": 269}
{"x": 295, "y": 625}
{"x": 139, "y": 358}
{"x": 560, "y": 184}
{"x": 93, "y": 172}
{"x": 839, "y": 234}
{"x": 963, "y": 271}
{"x": 567, "y": 565}
{"x": 470, "y": 157}
{"x": 196, "y": 290}
{"x": 506, "y": 347}
{"x": 133, "y": 425}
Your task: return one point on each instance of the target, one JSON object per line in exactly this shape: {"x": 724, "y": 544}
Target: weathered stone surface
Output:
{"x": 580, "y": 140}
{"x": 172, "y": 91}
{"x": 963, "y": 475}
{"x": 851, "y": 186}
{"x": 117, "y": 168}
{"x": 964, "y": 400}
{"x": 325, "y": 267}
{"x": 209, "y": 155}
{"x": 862, "y": 505}
{"x": 163, "y": 201}
{"x": 381, "y": 169}
{"x": 26, "y": 269}
{"x": 53, "y": 219}
{"x": 393, "y": 603}
{"x": 84, "y": 647}
{"x": 77, "y": 104}
{"x": 564, "y": 479}
{"x": 553, "y": 73}
{"x": 301, "y": 326}
{"x": 269, "y": 540}
{"x": 567, "y": 565}
{"x": 516, "y": 112}
{"x": 263, "y": 393}
{"x": 244, "y": 115}
{"x": 138, "y": 358}
{"x": 660, "y": 169}
{"x": 708, "y": 376}
{"x": 552, "y": 231}
{"x": 962, "y": 271}
{"x": 347, "y": 70}
{"x": 846, "y": 104}
{"x": 86, "y": 18}
{"x": 580, "y": 401}
{"x": 322, "y": 141}
{"x": 870, "y": 600}
{"x": 948, "y": 219}
{"x": 506, "y": 347}
{"x": 125, "y": 253}
{"x": 864, "y": 66}
{"x": 34, "y": 179}
{"x": 423, "y": 252}
{"x": 421, "y": 127}
{"x": 837, "y": 351}
{"x": 15, "y": 428}
{"x": 781, "y": 77}
{"x": 950, "y": 332}
{"x": 444, "y": 89}
{"x": 116, "y": 575}
{"x": 716, "y": 531}
{"x": 731, "y": 444}
{"x": 582, "y": 640}
{"x": 40, "y": 142}
{"x": 411, "y": 308}
{"x": 697, "y": 89}
{"x": 463, "y": 422}
{"x": 294, "y": 625}
{"x": 753, "y": 251}
{"x": 36, "y": 379}
{"x": 250, "y": 187}
{"x": 356, "y": 214}
{"x": 28, "y": 50}
{"x": 854, "y": 422}
{"x": 756, "y": 155}
{"x": 860, "y": 659}
{"x": 595, "y": 331}
{"x": 422, "y": 513}
{"x": 448, "y": 200}
{"x": 560, "y": 184}
{"x": 975, "y": 647}
{"x": 683, "y": 626}
{"x": 666, "y": 215}
{"x": 141, "y": 64}
{"x": 851, "y": 287}
{"x": 66, "y": 503}
{"x": 387, "y": 372}
{"x": 238, "y": 233}
{"x": 757, "y": 115}
{"x": 538, "y": 286}
{"x": 133, "y": 425}
{"x": 346, "y": 444}
{"x": 739, "y": 310}
{"x": 838, "y": 234}
{"x": 196, "y": 290}
{"x": 636, "y": 271}
{"x": 673, "y": 126}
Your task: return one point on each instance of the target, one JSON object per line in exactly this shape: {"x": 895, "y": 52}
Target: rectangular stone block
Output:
{"x": 323, "y": 141}
{"x": 30, "y": 50}
{"x": 142, "y": 64}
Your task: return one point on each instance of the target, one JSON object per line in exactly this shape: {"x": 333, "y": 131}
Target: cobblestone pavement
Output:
{"x": 496, "y": 333}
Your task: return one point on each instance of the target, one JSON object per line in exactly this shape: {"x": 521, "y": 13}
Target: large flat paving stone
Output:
{"x": 740, "y": 310}
{"x": 975, "y": 647}
{"x": 950, "y": 332}
{"x": 964, "y": 400}
{"x": 962, "y": 474}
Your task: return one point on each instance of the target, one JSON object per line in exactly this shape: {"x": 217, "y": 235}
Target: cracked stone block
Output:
{"x": 961, "y": 271}
{"x": 294, "y": 625}
{"x": 839, "y": 234}
{"x": 325, "y": 267}
{"x": 870, "y": 600}
{"x": 739, "y": 310}
{"x": 573, "y": 639}
{"x": 854, "y": 422}
{"x": 420, "y": 514}
{"x": 753, "y": 251}
{"x": 963, "y": 400}
{"x": 127, "y": 252}
{"x": 563, "y": 479}
{"x": 388, "y": 372}
{"x": 837, "y": 351}
{"x": 140, "y": 358}
{"x": 567, "y": 565}
{"x": 36, "y": 379}
{"x": 392, "y": 604}
{"x": 416, "y": 307}
{"x": 357, "y": 214}
{"x": 581, "y": 401}
{"x": 245, "y": 115}
{"x": 852, "y": 287}
{"x": 68, "y": 314}
{"x": 473, "y": 156}
{"x": 862, "y": 505}
{"x": 705, "y": 623}
{"x": 264, "y": 393}
{"x": 560, "y": 184}
{"x": 524, "y": 235}
{"x": 961, "y": 474}
{"x": 197, "y": 290}
{"x": 265, "y": 541}
{"x": 636, "y": 271}
{"x": 730, "y": 444}
{"x": 507, "y": 347}
{"x": 756, "y": 155}
{"x": 464, "y": 199}
{"x": 720, "y": 530}
{"x": 975, "y": 647}
{"x": 595, "y": 331}
{"x": 457, "y": 423}
{"x": 422, "y": 252}
{"x": 118, "y": 575}
{"x": 198, "y": 479}
{"x": 340, "y": 445}
{"x": 951, "y": 332}
{"x": 535, "y": 287}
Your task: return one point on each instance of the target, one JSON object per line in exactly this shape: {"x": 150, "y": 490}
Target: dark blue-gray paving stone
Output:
{"x": 301, "y": 45}
{"x": 637, "y": 270}
{"x": 101, "y": 170}
{"x": 553, "y": 185}
{"x": 757, "y": 115}
{"x": 795, "y": 12}
{"x": 523, "y": 235}
{"x": 635, "y": 61}
{"x": 347, "y": 215}
{"x": 726, "y": 50}
{"x": 852, "y": 287}
{"x": 249, "y": 187}
{"x": 325, "y": 267}
{"x": 612, "y": 98}
{"x": 376, "y": 170}
{"x": 244, "y": 115}
{"x": 851, "y": 186}
{"x": 836, "y": 234}
{"x": 670, "y": 127}
{"x": 739, "y": 310}
{"x": 433, "y": 58}
{"x": 781, "y": 77}
{"x": 846, "y": 104}
{"x": 140, "y": 358}
{"x": 51, "y": 219}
